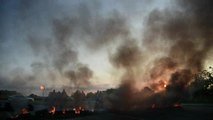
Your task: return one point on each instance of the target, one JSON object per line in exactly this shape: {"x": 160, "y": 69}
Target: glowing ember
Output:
{"x": 78, "y": 110}
{"x": 24, "y": 111}
{"x": 159, "y": 86}
{"x": 153, "y": 106}
{"x": 42, "y": 87}
{"x": 177, "y": 105}
{"x": 52, "y": 110}
{"x": 63, "y": 111}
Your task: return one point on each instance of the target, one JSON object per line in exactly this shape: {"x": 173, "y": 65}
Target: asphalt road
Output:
{"x": 188, "y": 112}
{"x": 108, "y": 116}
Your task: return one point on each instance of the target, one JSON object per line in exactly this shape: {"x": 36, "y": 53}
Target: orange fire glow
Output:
{"x": 159, "y": 86}
{"x": 78, "y": 110}
{"x": 153, "y": 106}
{"x": 177, "y": 105}
{"x": 24, "y": 111}
{"x": 52, "y": 110}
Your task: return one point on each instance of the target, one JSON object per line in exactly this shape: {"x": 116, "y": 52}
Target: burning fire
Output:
{"x": 159, "y": 86}
{"x": 24, "y": 111}
{"x": 78, "y": 110}
{"x": 52, "y": 110}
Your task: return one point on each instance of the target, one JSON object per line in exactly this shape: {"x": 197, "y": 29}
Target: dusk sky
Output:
{"x": 74, "y": 44}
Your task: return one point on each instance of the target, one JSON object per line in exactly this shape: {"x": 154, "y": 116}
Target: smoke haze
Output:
{"x": 150, "y": 51}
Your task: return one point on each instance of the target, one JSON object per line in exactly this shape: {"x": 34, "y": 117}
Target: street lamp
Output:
{"x": 42, "y": 88}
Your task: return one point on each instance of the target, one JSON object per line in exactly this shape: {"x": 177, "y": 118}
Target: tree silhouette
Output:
{"x": 202, "y": 86}
{"x": 79, "y": 97}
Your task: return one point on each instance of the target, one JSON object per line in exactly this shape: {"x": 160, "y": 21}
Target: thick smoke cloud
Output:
{"x": 175, "y": 43}
{"x": 64, "y": 53}
{"x": 187, "y": 30}
{"x": 185, "y": 35}
{"x": 55, "y": 31}
{"x": 60, "y": 51}
{"x": 80, "y": 76}
{"x": 101, "y": 31}
{"x": 127, "y": 57}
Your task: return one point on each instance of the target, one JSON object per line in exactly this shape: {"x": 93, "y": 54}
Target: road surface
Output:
{"x": 188, "y": 112}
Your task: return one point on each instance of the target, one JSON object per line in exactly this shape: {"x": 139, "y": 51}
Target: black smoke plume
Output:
{"x": 184, "y": 35}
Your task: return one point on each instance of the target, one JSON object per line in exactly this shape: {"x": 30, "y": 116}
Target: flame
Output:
{"x": 78, "y": 110}
{"x": 52, "y": 110}
{"x": 159, "y": 85}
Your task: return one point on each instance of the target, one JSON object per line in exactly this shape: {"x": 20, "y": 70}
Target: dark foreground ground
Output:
{"x": 186, "y": 112}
